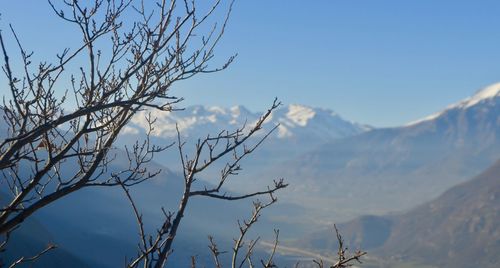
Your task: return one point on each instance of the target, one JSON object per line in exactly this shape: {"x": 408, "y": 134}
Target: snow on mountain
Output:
{"x": 300, "y": 114}
{"x": 296, "y": 121}
{"x": 323, "y": 123}
{"x": 399, "y": 167}
{"x": 483, "y": 95}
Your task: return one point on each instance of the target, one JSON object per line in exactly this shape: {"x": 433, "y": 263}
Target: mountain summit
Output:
{"x": 485, "y": 95}
{"x": 296, "y": 122}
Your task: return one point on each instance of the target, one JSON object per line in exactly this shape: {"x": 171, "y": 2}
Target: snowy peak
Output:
{"x": 296, "y": 121}
{"x": 239, "y": 110}
{"x": 489, "y": 92}
{"x": 300, "y": 114}
{"x": 486, "y": 94}
{"x": 217, "y": 110}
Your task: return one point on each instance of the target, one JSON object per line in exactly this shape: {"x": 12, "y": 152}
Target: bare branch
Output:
{"x": 215, "y": 252}
{"x": 343, "y": 259}
{"x": 33, "y": 258}
{"x": 244, "y": 227}
{"x": 269, "y": 263}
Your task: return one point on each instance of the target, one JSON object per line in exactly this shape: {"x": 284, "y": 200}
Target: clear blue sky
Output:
{"x": 381, "y": 62}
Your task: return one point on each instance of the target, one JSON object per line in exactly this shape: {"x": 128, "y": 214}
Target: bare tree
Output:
{"x": 134, "y": 70}
{"x": 127, "y": 67}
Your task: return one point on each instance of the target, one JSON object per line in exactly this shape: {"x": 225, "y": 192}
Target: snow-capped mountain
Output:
{"x": 329, "y": 160}
{"x": 485, "y": 95}
{"x": 295, "y": 122}
{"x": 301, "y": 129}
{"x": 389, "y": 169}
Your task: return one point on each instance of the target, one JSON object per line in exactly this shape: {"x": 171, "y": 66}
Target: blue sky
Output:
{"x": 381, "y": 62}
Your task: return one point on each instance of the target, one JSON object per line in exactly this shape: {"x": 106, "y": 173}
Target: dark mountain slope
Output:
{"x": 461, "y": 228}
{"x": 30, "y": 239}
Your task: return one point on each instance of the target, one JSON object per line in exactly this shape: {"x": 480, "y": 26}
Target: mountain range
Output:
{"x": 338, "y": 170}
{"x": 300, "y": 128}
{"x": 460, "y": 228}
{"x": 296, "y": 122}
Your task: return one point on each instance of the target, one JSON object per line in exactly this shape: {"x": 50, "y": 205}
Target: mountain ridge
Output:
{"x": 391, "y": 168}
{"x": 459, "y": 228}
{"x": 483, "y": 94}
{"x": 199, "y": 120}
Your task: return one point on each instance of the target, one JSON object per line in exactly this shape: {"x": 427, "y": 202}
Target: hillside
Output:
{"x": 394, "y": 169}
{"x": 461, "y": 228}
